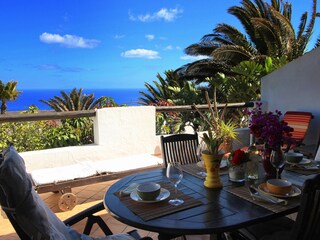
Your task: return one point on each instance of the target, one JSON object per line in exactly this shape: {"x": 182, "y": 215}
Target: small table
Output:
{"x": 220, "y": 211}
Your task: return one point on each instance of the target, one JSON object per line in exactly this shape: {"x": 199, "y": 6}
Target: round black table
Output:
{"x": 219, "y": 212}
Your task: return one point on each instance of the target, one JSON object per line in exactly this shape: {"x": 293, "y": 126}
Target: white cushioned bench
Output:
{"x": 87, "y": 172}
{"x": 63, "y": 178}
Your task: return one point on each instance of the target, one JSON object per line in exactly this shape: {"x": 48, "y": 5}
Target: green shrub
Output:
{"x": 26, "y": 136}
{"x": 70, "y": 132}
{"x": 30, "y": 136}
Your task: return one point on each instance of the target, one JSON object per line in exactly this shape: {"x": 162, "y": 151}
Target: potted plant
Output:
{"x": 269, "y": 129}
{"x": 214, "y": 138}
{"x": 228, "y": 128}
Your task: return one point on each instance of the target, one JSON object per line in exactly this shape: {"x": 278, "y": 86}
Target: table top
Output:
{"x": 220, "y": 210}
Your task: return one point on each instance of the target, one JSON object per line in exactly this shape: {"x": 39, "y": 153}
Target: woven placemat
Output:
{"x": 301, "y": 170}
{"x": 244, "y": 193}
{"x": 194, "y": 169}
{"x": 148, "y": 211}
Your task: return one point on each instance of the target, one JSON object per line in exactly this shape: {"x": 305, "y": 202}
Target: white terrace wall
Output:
{"x": 128, "y": 130}
{"x": 296, "y": 87}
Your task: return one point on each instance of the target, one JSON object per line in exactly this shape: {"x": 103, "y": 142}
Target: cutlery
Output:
{"x": 128, "y": 189}
{"x": 256, "y": 193}
{"x": 306, "y": 167}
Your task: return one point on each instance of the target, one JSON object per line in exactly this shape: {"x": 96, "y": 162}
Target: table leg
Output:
{"x": 217, "y": 236}
{"x": 221, "y": 236}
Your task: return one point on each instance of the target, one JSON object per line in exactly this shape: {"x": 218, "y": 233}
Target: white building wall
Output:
{"x": 296, "y": 87}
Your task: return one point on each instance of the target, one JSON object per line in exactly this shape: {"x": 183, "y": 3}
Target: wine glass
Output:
{"x": 175, "y": 174}
{"x": 200, "y": 148}
{"x": 277, "y": 159}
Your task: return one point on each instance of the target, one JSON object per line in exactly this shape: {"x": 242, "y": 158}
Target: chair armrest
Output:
{"x": 84, "y": 214}
{"x": 91, "y": 219}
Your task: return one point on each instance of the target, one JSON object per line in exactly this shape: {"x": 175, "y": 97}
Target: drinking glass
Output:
{"x": 175, "y": 174}
{"x": 200, "y": 147}
{"x": 277, "y": 159}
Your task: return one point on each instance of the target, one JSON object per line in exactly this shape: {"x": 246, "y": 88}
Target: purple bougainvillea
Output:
{"x": 269, "y": 129}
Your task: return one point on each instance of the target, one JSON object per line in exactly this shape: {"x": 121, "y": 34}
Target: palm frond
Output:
{"x": 232, "y": 52}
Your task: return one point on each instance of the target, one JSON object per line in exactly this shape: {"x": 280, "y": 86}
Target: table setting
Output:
{"x": 298, "y": 163}
{"x": 150, "y": 200}
{"x": 273, "y": 194}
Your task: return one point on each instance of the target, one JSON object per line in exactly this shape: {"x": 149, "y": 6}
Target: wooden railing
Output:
{"x": 44, "y": 115}
{"x": 203, "y": 107}
{"x": 51, "y": 115}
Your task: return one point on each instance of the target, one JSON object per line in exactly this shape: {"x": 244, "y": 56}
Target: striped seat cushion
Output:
{"x": 299, "y": 121}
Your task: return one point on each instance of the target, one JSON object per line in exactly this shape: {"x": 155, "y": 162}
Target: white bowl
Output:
{"x": 148, "y": 191}
{"x": 293, "y": 157}
{"x": 279, "y": 186}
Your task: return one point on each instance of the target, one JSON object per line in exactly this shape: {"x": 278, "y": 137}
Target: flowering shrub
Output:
{"x": 269, "y": 129}
{"x": 238, "y": 157}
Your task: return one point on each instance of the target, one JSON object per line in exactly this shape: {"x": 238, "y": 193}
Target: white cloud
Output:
{"x": 165, "y": 14}
{"x": 117, "y": 36}
{"x": 68, "y": 40}
{"x": 168, "y": 48}
{"x": 140, "y": 53}
{"x": 150, "y": 37}
{"x": 193, "y": 58}
{"x": 55, "y": 67}
{"x": 48, "y": 67}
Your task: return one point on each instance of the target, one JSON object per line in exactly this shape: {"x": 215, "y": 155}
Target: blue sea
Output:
{"x": 29, "y": 97}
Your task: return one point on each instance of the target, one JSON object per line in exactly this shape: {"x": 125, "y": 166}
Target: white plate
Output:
{"x": 295, "y": 191}
{"x": 200, "y": 164}
{"x": 304, "y": 161}
{"x": 222, "y": 164}
{"x": 164, "y": 194}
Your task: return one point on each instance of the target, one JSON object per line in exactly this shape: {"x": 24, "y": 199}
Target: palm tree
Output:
{"x": 75, "y": 101}
{"x": 8, "y": 92}
{"x": 268, "y": 32}
{"x": 161, "y": 92}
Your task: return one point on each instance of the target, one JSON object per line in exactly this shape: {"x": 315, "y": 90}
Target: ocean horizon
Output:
{"x": 28, "y": 97}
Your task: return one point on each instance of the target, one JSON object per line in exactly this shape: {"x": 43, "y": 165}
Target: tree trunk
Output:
{"x": 3, "y": 107}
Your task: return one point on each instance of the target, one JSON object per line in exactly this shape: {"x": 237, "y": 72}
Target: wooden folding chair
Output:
{"x": 179, "y": 147}
{"x": 299, "y": 121}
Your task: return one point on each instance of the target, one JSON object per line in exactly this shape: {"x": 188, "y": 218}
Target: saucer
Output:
{"x": 304, "y": 161}
{"x": 200, "y": 164}
{"x": 164, "y": 194}
{"x": 295, "y": 191}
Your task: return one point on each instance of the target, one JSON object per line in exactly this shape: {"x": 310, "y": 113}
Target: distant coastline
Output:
{"x": 127, "y": 96}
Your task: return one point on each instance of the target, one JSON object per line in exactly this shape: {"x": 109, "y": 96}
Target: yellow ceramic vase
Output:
{"x": 212, "y": 163}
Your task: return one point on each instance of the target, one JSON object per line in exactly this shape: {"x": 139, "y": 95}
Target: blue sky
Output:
{"x": 62, "y": 44}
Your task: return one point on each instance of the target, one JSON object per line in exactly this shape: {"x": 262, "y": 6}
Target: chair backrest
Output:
{"x": 28, "y": 214}
{"x": 299, "y": 121}
{"x": 180, "y": 148}
{"x": 306, "y": 226}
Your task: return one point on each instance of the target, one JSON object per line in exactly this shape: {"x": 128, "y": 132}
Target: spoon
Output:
{"x": 255, "y": 193}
